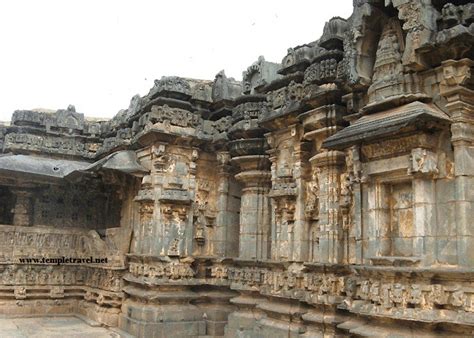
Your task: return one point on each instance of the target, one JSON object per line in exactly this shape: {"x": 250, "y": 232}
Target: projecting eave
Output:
{"x": 416, "y": 116}
{"x": 37, "y": 168}
{"x": 44, "y": 169}
{"x": 124, "y": 161}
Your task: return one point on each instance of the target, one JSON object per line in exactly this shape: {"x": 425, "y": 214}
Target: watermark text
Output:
{"x": 63, "y": 260}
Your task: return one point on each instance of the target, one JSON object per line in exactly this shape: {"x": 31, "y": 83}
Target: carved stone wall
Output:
{"x": 330, "y": 194}
{"x": 76, "y": 206}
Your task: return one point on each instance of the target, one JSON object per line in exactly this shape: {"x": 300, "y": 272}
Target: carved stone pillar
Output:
{"x": 352, "y": 206}
{"x": 300, "y": 173}
{"x": 226, "y": 242}
{"x": 23, "y": 210}
{"x": 460, "y": 104}
{"x": 255, "y": 206}
{"x": 289, "y": 158}
{"x": 145, "y": 201}
{"x": 331, "y": 165}
{"x": 324, "y": 187}
{"x": 158, "y": 286}
{"x": 248, "y": 155}
{"x": 165, "y": 226}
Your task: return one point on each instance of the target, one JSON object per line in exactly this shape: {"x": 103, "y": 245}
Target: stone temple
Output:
{"x": 331, "y": 194}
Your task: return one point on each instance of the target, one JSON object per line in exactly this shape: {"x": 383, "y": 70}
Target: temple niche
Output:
{"x": 330, "y": 194}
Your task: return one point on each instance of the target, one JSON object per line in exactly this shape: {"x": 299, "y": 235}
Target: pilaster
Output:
{"x": 457, "y": 77}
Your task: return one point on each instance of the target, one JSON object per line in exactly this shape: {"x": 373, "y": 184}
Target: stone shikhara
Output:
{"x": 329, "y": 194}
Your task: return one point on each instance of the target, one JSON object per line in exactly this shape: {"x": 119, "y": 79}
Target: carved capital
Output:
{"x": 223, "y": 157}
{"x": 455, "y": 74}
{"x": 328, "y": 159}
{"x": 455, "y": 87}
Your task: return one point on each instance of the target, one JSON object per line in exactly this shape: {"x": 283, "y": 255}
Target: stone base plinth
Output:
{"x": 108, "y": 316}
{"x": 242, "y": 324}
{"x": 41, "y": 307}
{"x": 162, "y": 320}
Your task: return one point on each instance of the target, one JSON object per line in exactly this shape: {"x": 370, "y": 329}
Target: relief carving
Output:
{"x": 423, "y": 162}
{"x": 312, "y": 196}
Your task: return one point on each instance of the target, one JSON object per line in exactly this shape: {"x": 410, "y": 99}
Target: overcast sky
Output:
{"x": 97, "y": 54}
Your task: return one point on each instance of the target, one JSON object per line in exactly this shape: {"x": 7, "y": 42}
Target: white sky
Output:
{"x": 97, "y": 54}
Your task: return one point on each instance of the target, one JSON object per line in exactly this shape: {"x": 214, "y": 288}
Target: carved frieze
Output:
{"x": 49, "y": 144}
{"x": 249, "y": 111}
{"x": 59, "y": 280}
{"x": 174, "y": 116}
{"x": 395, "y": 147}
{"x": 284, "y": 97}
{"x": 172, "y": 84}
{"x": 162, "y": 270}
{"x": 281, "y": 188}
{"x": 219, "y": 272}
{"x": 321, "y": 72}
{"x": 358, "y": 294}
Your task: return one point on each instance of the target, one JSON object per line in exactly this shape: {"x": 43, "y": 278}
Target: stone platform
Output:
{"x": 54, "y": 327}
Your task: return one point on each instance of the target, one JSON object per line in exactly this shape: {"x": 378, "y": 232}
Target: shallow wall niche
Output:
{"x": 401, "y": 218}
{"x": 400, "y": 208}
{"x": 394, "y": 218}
